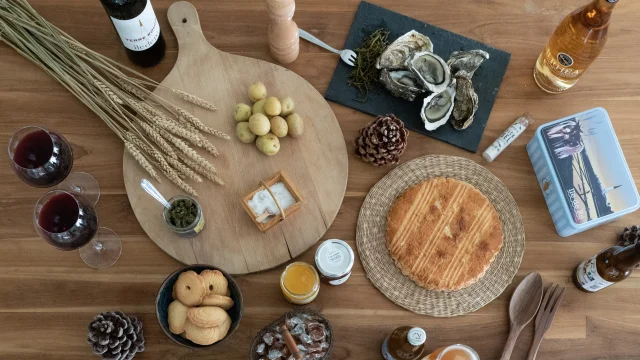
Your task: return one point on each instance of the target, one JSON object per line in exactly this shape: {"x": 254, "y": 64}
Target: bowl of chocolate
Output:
{"x": 303, "y": 328}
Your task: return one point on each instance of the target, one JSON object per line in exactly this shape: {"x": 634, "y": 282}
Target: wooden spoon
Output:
{"x": 524, "y": 305}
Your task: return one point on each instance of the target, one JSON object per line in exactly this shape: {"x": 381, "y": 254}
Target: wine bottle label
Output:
{"x": 588, "y": 276}
{"x": 141, "y": 32}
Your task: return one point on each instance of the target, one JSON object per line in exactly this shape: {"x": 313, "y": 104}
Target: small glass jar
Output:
{"x": 191, "y": 230}
{"x": 334, "y": 260}
{"x": 300, "y": 283}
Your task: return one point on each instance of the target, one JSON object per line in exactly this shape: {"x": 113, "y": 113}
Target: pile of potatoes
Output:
{"x": 268, "y": 120}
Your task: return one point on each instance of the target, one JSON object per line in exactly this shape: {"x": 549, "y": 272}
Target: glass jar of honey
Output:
{"x": 300, "y": 283}
{"x": 454, "y": 352}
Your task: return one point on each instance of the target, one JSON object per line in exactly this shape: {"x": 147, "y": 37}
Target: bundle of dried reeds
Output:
{"x": 158, "y": 134}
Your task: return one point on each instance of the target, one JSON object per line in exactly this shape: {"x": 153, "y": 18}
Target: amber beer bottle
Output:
{"x": 138, "y": 28}
{"x": 404, "y": 343}
{"x": 607, "y": 268}
{"x": 574, "y": 45}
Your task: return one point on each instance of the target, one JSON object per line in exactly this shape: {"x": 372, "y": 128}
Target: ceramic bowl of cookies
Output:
{"x": 199, "y": 306}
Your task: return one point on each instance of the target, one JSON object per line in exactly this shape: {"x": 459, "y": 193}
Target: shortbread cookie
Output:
{"x": 190, "y": 288}
{"x": 215, "y": 281}
{"x": 221, "y": 301}
{"x": 177, "y": 316}
{"x": 200, "y": 335}
{"x": 207, "y": 316}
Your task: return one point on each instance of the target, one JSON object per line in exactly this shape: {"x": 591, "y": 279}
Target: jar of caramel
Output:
{"x": 404, "y": 343}
{"x": 300, "y": 283}
{"x": 334, "y": 260}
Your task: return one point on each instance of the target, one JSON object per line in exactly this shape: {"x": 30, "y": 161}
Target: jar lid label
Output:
{"x": 334, "y": 258}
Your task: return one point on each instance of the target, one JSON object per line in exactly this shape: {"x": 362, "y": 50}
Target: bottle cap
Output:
{"x": 417, "y": 336}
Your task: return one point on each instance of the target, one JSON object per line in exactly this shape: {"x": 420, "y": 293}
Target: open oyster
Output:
{"x": 432, "y": 70}
{"x": 400, "y": 51}
{"x": 466, "y": 61}
{"x": 466, "y": 103}
{"x": 437, "y": 108}
{"x": 401, "y": 83}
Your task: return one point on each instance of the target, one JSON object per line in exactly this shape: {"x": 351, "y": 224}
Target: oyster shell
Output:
{"x": 401, "y": 83}
{"x": 466, "y": 61}
{"x": 432, "y": 70}
{"x": 400, "y": 51}
{"x": 466, "y": 103}
{"x": 437, "y": 108}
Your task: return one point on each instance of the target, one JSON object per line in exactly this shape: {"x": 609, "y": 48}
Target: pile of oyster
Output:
{"x": 408, "y": 68}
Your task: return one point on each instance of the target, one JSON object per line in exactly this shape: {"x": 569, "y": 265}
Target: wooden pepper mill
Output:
{"x": 284, "y": 41}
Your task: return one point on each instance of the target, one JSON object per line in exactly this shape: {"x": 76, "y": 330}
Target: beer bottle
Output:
{"x": 574, "y": 45}
{"x": 404, "y": 343}
{"x": 138, "y": 28}
{"x": 607, "y": 268}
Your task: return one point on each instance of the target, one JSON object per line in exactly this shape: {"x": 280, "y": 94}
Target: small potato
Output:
{"x": 287, "y": 106}
{"x": 244, "y": 133}
{"x": 279, "y": 126}
{"x": 242, "y": 112}
{"x": 272, "y": 106}
{"x": 268, "y": 144}
{"x": 258, "y": 107}
{"x": 259, "y": 124}
{"x": 296, "y": 125}
{"x": 257, "y": 91}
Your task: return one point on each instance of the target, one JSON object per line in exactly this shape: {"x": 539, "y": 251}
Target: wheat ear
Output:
{"x": 194, "y": 100}
{"x": 105, "y": 89}
{"x": 185, "y": 115}
{"x": 135, "y": 152}
{"x": 185, "y": 170}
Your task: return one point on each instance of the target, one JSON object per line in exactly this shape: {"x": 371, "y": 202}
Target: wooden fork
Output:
{"x": 550, "y": 304}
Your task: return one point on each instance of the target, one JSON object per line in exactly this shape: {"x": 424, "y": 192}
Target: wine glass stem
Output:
{"x": 98, "y": 246}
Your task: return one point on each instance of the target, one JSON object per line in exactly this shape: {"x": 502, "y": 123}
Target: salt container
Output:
{"x": 582, "y": 172}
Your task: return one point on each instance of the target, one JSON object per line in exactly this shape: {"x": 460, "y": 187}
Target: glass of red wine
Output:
{"x": 68, "y": 221}
{"x": 44, "y": 158}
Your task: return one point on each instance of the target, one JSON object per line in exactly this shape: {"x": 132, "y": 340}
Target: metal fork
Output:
{"x": 348, "y": 56}
{"x": 550, "y": 304}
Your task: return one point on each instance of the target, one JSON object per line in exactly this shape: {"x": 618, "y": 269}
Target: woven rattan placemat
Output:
{"x": 381, "y": 269}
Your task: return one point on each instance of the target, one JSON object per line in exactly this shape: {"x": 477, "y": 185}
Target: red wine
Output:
{"x": 34, "y": 150}
{"x": 136, "y": 23}
{"x": 59, "y": 214}
{"x": 68, "y": 222}
{"x": 41, "y": 158}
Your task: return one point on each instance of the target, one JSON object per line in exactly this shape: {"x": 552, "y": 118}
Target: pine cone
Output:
{"x": 382, "y": 141}
{"x": 630, "y": 236}
{"x": 116, "y": 336}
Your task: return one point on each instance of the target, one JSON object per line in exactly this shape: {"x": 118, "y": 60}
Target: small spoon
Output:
{"x": 524, "y": 305}
{"x": 149, "y": 188}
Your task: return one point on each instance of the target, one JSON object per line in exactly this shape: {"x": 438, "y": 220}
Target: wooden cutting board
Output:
{"x": 316, "y": 162}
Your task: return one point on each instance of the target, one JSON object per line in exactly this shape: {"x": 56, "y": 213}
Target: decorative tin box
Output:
{"x": 582, "y": 172}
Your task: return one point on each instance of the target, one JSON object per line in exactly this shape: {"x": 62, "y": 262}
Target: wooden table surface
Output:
{"x": 47, "y": 297}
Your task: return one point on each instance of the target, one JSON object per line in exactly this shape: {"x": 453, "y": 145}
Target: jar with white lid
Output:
{"x": 334, "y": 260}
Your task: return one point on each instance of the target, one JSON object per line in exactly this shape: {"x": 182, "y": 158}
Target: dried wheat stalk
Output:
{"x": 155, "y": 132}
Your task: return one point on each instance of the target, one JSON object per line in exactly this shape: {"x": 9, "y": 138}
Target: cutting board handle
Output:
{"x": 185, "y": 22}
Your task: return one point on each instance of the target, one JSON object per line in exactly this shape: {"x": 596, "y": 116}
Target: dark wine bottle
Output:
{"x": 136, "y": 23}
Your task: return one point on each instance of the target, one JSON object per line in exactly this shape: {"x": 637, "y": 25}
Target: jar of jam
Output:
{"x": 300, "y": 283}
{"x": 404, "y": 343}
{"x": 185, "y": 216}
{"x": 334, "y": 260}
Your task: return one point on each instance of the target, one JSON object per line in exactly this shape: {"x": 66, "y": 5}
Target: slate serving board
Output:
{"x": 486, "y": 80}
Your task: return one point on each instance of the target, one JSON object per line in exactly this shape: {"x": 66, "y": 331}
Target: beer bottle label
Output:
{"x": 588, "y": 276}
{"x": 141, "y": 32}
